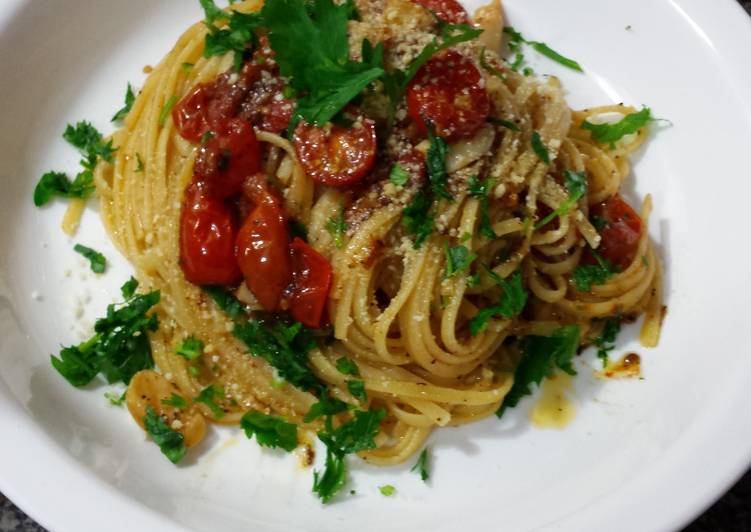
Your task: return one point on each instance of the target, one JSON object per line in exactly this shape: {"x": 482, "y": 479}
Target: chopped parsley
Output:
{"x": 115, "y": 398}
{"x": 326, "y": 406}
{"x": 176, "y": 401}
{"x": 458, "y": 258}
{"x": 284, "y": 346}
{"x": 89, "y": 142}
{"x": 226, "y": 301}
{"x": 346, "y": 367}
{"x": 191, "y": 348}
{"x": 539, "y": 148}
{"x": 130, "y": 97}
{"x": 508, "y": 124}
{"x": 351, "y": 437}
{"x": 357, "y": 389}
{"x": 170, "y": 442}
{"x": 493, "y": 71}
{"x": 129, "y": 287}
{"x": 605, "y": 342}
{"x": 586, "y": 276}
{"x": 435, "y": 163}
{"x": 235, "y": 37}
{"x": 139, "y": 163}
{"x": 337, "y": 228}
{"x": 512, "y": 302}
{"x": 168, "y": 105}
{"x": 516, "y": 40}
{"x": 421, "y": 466}
{"x": 270, "y": 431}
{"x": 209, "y": 396}
{"x": 398, "y": 175}
{"x": 119, "y": 348}
{"x": 96, "y": 260}
{"x": 540, "y": 356}
{"x": 610, "y": 133}
{"x": 387, "y": 491}
{"x": 576, "y": 184}
{"x": 312, "y": 49}
{"x": 416, "y": 218}
{"x": 481, "y": 190}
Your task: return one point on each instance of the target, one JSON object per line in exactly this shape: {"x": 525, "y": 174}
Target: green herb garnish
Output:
{"x": 586, "y": 276}
{"x": 435, "y": 163}
{"x": 605, "y": 342}
{"x": 176, "y": 401}
{"x": 169, "y": 441}
{"x": 270, "y": 431}
{"x": 96, "y": 260}
{"x": 346, "y": 367}
{"x": 421, "y": 466}
{"x": 209, "y": 396}
{"x": 398, "y": 175}
{"x": 226, "y": 301}
{"x": 611, "y": 133}
{"x": 576, "y": 184}
{"x": 539, "y": 148}
{"x": 115, "y": 398}
{"x": 516, "y": 40}
{"x": 513, "y": 300}
{"x": 129, "y": 99}
{"x": 458, "y": 258}
{"x": 168, "y": 105}
{"x": 387, "y": 491}
{"x": 191, "y": 348}
{"x": 481, "y": 190}
{"x": 416, "y": 218}
{"x": 337, "y": 228}
{"x": 357, "y": 389}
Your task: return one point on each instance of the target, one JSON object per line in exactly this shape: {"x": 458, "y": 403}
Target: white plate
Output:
{"x": 641, "y": 455}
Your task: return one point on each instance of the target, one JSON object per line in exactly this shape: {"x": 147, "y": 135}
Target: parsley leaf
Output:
{"x": 346, "y": 367}
{"x": 516, "y": 40}
{"x": 593, "y": 274}
{"x": 129, "y": 287}
{"x": 333, "y": 478}
{"x": 139, "y": 163}
{"x": 540, "y": 356}
{"x": 458, "y": 258}
{"x": 576, "y": 184}
{"x": 493, "y": 71}
{"x": 270, "y": 431}
{"x": 326, "y": 406}
{"x": 481, "y": 190}
{"x": 227, "y": 302}
{"x": 539, "y": 148}
{"x": 130, "y": 98}
{"x": 421, "y": 466}
{"x": 416, "y": 218}
{"x": 191, "y": 348}
{"x": 119, "y": 348}
{"x": 610, "y": 133}
{"x": 513, "y": 300}
{"x": 387, "y": 491}
{"x": 115, "y": 398}
{"x": 97, "y": 261}
{"x": 212, "y": 11}
{"x": 175, "y": 400}
{"x": 604, "y": 342}
{"x": 284, "y": 347}
{"x": 435, "y": 163}
{"x": 168, "y": 105}
{"x": 548, "y": 52}
{"x": 169, "y": 441}
{"x": 89, "y": 141}
{"x": 508, "y": 124}
{"x": 312, "y": 50}
{"x": 398, "y": 175}
{"x": 208, "y": 396}
{"x": 337, "y": 228}
{"x": 357, "y": 389}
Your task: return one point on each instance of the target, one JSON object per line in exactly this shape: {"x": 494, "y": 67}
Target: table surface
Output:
{"x": 732, "y": 513}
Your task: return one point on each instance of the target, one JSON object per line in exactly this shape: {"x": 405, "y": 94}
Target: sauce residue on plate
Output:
{"x": 627, "y": 367}
{"x": 553, "y": 409}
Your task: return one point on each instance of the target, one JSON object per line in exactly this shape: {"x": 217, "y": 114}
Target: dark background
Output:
{"x": 732, "y": 513}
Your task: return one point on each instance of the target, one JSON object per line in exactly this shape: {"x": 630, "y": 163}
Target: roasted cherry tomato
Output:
{"x": 207, "y": 240}
{"x": 336, "y": 156}
{"x": 224, "y": 162}
{"x": 311, "y": 278}
{"x": 620, "y": 235}
{"x": 449, "y": 11}
{"x": 262, "y": 246}
{"x": 447, "y": 94}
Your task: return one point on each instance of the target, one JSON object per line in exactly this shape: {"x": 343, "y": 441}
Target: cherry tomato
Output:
{"x": 312, "y": 275}
{"x": 207, "y": 240}
{"x": 262, "y": 246}
{"x": 189, "y": 115}
{"x": 620, "y": 236}
{"x": 336, "y": 156}
{"x": 449, "y": 11}
{"x": 446, "y": 93}
{"x": 224, "y": 162}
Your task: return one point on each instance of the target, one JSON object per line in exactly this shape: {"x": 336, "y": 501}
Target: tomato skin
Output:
{"x": 336, "y": 156}
{"x": 224, "y": 162}
{"x": 620, "y": 236}
{"x": 312, "y": 275}
{"x": 449, "y": 11}
{"x": 447, "y": 94}
{"x": 262, "y": 247}
{"x": 207, "y": 240}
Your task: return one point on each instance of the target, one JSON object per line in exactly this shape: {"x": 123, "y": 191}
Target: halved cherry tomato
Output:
{"x": 262, "y": 246}
{"x": 449, "y": 11}
{"x": 447, "y": 94}
{"x": 311, "y": 274}
{"x": 620, "y": 236}
{"x": 207, "y": 240}
{"x": 336, "y": 156}
{"x": 225, "y": 161}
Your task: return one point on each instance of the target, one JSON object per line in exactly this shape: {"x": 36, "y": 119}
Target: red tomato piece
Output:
{"x": 449, "y": 11}
{"x": 207, "y": 240}
{"x": 447, "y": 94}
{"x": 224, "y": 162}
{"x": 620, "y": 236}
{"x": 189, "y": 115}
{"x": 336, "y": 156}
{"x": 262, "y": 246}
{"x": 312, "y": 275}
